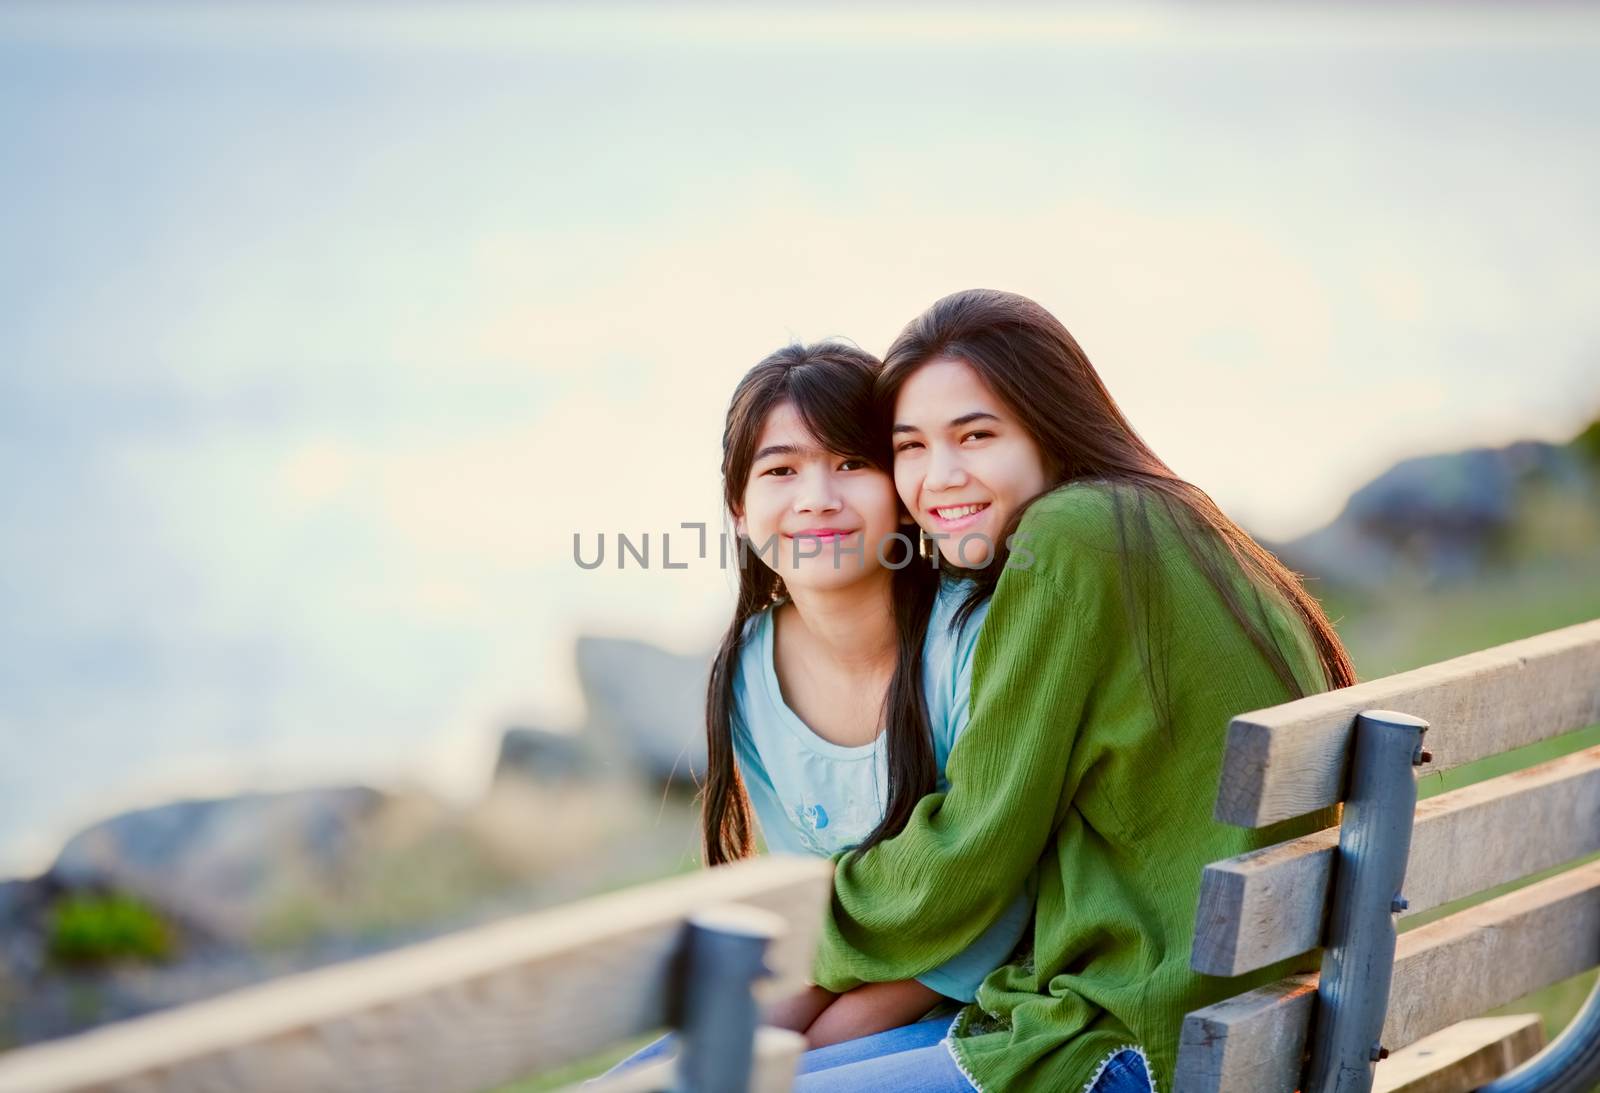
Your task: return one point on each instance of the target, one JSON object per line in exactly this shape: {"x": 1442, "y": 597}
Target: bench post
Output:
{"x": 723, "y": 956}
{"x": 1374, "y": 843}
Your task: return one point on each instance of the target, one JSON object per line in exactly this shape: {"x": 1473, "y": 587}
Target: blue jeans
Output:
{"x": 908, "y": 1059}
{"x": 1125, "y": 1073}
{"x": 902, "y": 1060}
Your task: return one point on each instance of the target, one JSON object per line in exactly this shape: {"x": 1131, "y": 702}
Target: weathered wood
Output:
{"x": 461, "y": 1013}
{"x": 1446, "y": 971}
{"x": 1462, "y": 1057}
{"x": 1252, "y": 1041}
{"x": 1290, "y": 759}
{"x": 777, "y": 1054}
{"x": 1268, "y": 905}
{"x": 1494, "y": 953}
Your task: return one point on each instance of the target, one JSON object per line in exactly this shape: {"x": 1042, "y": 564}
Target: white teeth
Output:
{"x": 958, "y": 511}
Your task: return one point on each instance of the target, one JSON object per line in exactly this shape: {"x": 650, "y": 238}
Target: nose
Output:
{"x": 944, "y": 470}
{"x": 817, "y": 492}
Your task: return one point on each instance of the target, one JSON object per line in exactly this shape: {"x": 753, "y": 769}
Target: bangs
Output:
{"x": 830, "y": 386}
{"x": 835, "y": 401}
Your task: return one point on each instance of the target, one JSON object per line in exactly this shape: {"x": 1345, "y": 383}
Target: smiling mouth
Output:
{"x": 959, "y": 512}
{"x": 824, "y": 534}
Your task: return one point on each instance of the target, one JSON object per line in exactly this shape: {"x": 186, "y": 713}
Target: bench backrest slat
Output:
{"x": 1448, "y": 970}
{"x": 1290, "y": 759}
{"x": 462, "y": 1013}
{"x": 1268, "y": 905}
{"x": 1253, "y": 1040}
{"x": 1474, "y": 960}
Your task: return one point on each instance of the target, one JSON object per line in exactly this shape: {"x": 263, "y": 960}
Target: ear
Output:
{"x": 738, "y": 524}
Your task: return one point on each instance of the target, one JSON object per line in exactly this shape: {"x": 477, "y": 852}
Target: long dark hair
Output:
{"x": 1031, "y": 361}
{"x": 830, "y": 386}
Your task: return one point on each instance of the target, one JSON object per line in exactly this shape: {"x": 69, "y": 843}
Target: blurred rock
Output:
{"x": 540, "y": 756}
{"x": 646, "y": 705}
{"x": 261, "y": 884}
{"x": 23, "y": 905}
{"x": 215, "y": 864}
{"x": 1449, "y": 518}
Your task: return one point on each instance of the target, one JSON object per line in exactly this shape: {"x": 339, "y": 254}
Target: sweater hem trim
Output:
{"x": 949, "y": 1042}
{"x": 1149, "y": 1074}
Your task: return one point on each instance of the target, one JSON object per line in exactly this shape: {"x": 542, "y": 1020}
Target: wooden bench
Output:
{"x": 470, "y": 1011}
{"x": 1344, "y": 888}
{"x": 473, "y": 1010}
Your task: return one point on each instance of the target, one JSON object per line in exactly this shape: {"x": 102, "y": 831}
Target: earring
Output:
{"x": 926, "y": 547}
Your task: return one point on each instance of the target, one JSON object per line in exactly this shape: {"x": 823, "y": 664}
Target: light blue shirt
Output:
{"x": 812, "y": 796}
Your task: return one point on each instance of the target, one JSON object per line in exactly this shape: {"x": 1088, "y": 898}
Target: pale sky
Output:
{"x": 322, "y": 331}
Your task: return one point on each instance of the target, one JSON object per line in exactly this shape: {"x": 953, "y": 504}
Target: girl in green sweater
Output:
{"x": 1128, "y": 621}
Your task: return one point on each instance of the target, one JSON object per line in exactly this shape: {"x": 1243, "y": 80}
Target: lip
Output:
{"x": 826, "y": 535}
{"x": 960, "y": 522}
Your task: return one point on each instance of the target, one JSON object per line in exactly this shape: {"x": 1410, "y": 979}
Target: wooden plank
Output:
{"x": 1270, "y": 904}
{"x": 778, "y": 1054}
{"x": 463, "y": 1013}
{"x": 1290, "y": 759}
{"x": 1446, "y": 971}
{"x": 1494, "y": 953}
{"x": 1263, "y": 906}
{"x": 1462, "y": 1057}
{"x": 1254, "y": 1041}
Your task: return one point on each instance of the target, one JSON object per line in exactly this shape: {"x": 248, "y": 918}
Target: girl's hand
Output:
{"x": 797, "y": 1011}
{"x": 870, "y": 1008}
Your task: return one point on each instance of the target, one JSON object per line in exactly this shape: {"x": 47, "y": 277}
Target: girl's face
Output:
{"x": 963, "y": 463}
{"x": 814, "y": 516}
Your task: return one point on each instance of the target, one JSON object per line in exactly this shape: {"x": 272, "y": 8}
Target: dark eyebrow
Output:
{"x": 964, "y": 419}
{"x": 775, "y": 449}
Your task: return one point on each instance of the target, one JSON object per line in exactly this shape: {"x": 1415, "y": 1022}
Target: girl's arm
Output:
{"x": 870, "y": 1008}
{"x": 916, "y": 900}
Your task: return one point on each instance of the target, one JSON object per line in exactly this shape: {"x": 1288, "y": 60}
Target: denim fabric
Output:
{"x": 909, "y": 1059}
{"x": 1125, "y": 1073}
{"x": 653, "y": 1050}
{"x": 901, "y": 1060}
{"x": 905, "y": 1060}
{"x": 890, "y": 1041}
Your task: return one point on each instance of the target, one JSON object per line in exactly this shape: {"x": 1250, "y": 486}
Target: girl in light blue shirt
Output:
{"x": 812, "y": 796}
{"x": 841, "y": 684}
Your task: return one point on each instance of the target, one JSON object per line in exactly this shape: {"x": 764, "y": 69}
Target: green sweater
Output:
{"x": 1066, "y": 776}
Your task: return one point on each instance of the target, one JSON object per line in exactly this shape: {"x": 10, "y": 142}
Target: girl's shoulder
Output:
{"x": 1086, "y": 510}
{"x": 757, "y": 625}
{"x": 1092, "y": 522}
{"x": 947, "y": 616}
{"x": 760, "y": 630}
{"x": 952, "y": 635}
{"x": 755, "y": 651}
